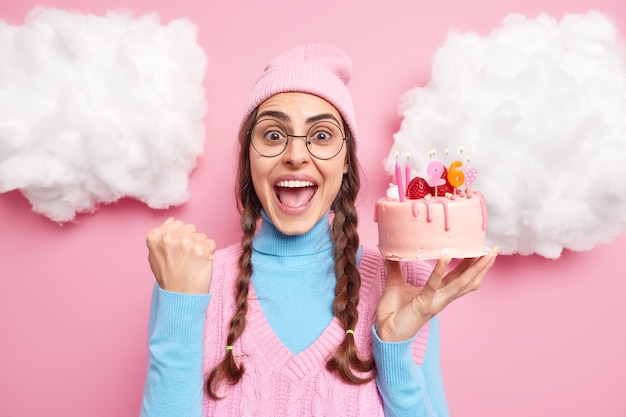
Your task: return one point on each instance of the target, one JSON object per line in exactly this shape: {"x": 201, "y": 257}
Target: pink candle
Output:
{"x": 407, "y": 171}
{"x": 399, "y": 179}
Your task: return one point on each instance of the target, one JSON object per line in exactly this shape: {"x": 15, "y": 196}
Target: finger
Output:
{"x": 485, "y": 262}
{"x": 177, "y": 229}
{"x": 458, "y": 270}
{"x": 435, "y": 280}
{"x": 199, "y": 236}
{"x": 469, "y": 274}
{"x": 168, "y": 225}
{"x": 474, "y": 265}
{"x": 188, "y": 228}
{"x": 211, "y": 244}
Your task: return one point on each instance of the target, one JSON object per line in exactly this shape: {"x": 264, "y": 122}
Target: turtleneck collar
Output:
{"x": 271, "y": 241}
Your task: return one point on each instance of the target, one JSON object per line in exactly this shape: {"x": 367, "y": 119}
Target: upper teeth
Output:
{"x": 295, "y": 184}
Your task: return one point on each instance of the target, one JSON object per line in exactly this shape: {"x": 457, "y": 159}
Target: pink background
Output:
{"x": 541, "y": 337}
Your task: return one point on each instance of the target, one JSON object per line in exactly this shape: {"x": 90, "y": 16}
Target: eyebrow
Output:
{"x": 285, "y": 118}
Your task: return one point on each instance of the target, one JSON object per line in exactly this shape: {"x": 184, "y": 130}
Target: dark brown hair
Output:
{"x": 345, "y": 361}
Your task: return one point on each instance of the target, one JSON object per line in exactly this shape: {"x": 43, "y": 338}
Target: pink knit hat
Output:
{"x": 319, "y": 69}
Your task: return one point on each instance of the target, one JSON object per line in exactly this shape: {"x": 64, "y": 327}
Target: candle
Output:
{"x": 470, "y": 177}
{"x": 435, "y": 170}
{"x": 456, "y": 177}
{"x": 399, "y": 179}
{"x": 407, "y": 171}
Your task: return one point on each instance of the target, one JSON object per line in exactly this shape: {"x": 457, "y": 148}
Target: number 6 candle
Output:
{"x": 456, "y": 178}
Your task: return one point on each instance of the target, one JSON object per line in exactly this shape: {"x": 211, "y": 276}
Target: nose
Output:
{"x": 297, "y": 151}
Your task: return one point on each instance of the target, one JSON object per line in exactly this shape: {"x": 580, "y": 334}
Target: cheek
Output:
{"x": 259, "y": 171}
{"x": 335, "y": 177}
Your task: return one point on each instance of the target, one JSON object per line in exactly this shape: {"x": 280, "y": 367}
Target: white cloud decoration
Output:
{"x": 540, "y": 105}
{"x": 97, "y": 108}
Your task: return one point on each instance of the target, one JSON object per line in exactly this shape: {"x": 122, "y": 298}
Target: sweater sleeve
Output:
{"x": 174, "y": 381}
{"x": 406, "y": 388}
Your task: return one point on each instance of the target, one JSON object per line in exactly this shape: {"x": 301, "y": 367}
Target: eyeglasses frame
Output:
{"x": 306, "y": 142}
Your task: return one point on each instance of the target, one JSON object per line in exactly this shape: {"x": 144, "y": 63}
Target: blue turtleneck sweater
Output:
{"x": 287, "y": 265}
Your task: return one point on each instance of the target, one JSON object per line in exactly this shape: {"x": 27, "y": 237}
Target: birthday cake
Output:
{"x": 433, "y": 218}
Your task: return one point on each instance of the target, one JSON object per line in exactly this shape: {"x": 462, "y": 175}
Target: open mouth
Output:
{"x": 294, "y": 193}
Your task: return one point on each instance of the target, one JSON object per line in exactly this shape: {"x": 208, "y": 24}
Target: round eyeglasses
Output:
{"x": 270, "y": 138}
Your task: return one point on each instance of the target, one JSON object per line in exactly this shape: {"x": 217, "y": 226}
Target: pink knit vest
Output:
{"x": 278, "y": 383}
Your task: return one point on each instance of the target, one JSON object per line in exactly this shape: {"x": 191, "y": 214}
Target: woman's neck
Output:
{"x": 271, "y": 241}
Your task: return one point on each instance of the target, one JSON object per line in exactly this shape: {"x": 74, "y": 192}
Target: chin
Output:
{"x": 294, "y": 227}
{"x": 294, "y": 220}
{"x": 295, "y": 224}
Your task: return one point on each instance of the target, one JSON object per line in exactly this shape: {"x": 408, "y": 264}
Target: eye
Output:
{"x": 269, "y": 131}
{"x": 324, "y": 132}
{"x": 273, "y": 136}
{"x": 321, "y": 136}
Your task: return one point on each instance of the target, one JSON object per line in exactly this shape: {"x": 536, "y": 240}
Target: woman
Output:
{"x": 297, "y": 319}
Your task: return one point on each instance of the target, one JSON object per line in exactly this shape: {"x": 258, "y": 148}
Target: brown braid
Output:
{"x": 250, "y": 209}
{"x": 346, "y": 240}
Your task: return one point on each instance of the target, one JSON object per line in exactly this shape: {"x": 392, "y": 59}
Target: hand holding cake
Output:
{"x": 403, "y": 309}
{"x": 436, "y": 220}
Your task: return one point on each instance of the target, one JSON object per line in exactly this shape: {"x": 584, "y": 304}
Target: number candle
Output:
{"x": 435, "y": 170}
{"x": 456, "y": 178}
{"x": 399, "y": 179}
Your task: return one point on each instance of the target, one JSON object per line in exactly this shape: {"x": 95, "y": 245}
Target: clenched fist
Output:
{"x": 180, "y": 257}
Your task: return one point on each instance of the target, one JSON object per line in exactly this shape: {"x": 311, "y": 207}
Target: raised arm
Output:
{"x": 181, "y": 260}
{"x": 406, "y": 388}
